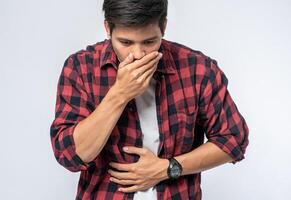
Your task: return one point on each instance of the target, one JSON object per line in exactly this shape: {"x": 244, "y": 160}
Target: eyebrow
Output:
{"x": 151, "y": 38}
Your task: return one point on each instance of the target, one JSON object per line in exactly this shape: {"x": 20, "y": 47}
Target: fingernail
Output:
{"x": 130, "y": 55}
{"x": 125, "y": 148}
{"x": 160, "y": 54}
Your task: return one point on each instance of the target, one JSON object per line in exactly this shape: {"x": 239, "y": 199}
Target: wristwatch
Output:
{"x": 175, "y": 169}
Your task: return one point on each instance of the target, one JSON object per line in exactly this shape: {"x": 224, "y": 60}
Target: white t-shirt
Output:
{"x": 146, "y": 108}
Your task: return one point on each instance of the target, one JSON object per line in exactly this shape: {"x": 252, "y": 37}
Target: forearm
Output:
{"x": 205, "y": 157}
{"x": 92, "y": 133}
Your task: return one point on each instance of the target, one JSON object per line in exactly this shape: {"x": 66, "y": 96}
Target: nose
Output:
{"x": 138, "y": 52}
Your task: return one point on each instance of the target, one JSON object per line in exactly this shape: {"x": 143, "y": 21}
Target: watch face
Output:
{"x": 175, "y": 171}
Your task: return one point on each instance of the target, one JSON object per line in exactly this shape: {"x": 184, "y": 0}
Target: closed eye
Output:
{"x": 125, "y": 42}
{"x": 149, "y": 42}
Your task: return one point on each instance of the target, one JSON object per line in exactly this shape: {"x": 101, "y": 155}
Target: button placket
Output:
{"x": 159, "y": 86}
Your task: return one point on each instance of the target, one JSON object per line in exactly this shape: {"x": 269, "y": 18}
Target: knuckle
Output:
{"x": 135, "y": 176}
{"x": 134, "y": 75}
{"x": 138, "y": 62}
{"x": 144, "y": 151}
{"x": 139, "y": 182}
{"x": 139, "y": 80}
{"x": 133, "y": 169}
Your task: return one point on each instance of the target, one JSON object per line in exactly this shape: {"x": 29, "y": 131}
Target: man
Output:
{"x": 132, "y": 111}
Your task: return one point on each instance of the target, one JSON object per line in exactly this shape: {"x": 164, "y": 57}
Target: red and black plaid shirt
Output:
{"x": 192, "y": 101}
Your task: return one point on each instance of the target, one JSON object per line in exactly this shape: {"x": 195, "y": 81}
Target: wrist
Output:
{"x": 163, "y": 166}
{"x": 117, "y": 93}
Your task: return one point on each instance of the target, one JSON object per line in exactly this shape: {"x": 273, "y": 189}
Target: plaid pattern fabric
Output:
{"x": 192, "y": 101}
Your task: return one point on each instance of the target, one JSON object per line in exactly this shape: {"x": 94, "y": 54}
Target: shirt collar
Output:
{"x": 166, "y": 64}
{"x": 108, "y": 55}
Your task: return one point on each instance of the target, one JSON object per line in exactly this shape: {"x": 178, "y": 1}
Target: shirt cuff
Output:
{"x": 230, "y": 146}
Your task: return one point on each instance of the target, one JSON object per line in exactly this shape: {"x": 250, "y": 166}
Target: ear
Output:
{"x": 165, "y": 24}
{"x": 107, "y": 28}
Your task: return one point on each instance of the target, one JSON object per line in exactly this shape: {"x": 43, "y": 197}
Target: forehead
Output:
{"x": 137, "y": 33}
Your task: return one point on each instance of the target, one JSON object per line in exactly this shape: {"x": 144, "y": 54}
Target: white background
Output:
{"x": 251, "y": 40}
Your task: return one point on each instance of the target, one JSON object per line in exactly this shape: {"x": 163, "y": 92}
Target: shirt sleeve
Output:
{"x": 223, "y": 124}
{"x": 72, "y": 105}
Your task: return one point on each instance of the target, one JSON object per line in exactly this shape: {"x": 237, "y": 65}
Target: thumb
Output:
{"x": 127, "y": 60}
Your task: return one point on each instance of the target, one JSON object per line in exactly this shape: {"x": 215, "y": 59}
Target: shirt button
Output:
{"x": 131, "y": 109}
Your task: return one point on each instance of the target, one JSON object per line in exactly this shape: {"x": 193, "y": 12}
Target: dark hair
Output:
{"x": 135, "y": 13}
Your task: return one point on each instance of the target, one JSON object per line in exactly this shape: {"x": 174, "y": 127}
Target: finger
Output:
{"x": 122, "y": 175}
{"x": 146, "y": 77}
{"x": 127, "y": 60}
{"x": 147, "y": 58}
{"x": 135, "y": 150}
{"x": 133, "y": 188}
{"x": 123, "y": 182}
{"x": 122, "y": 167}
{"x": 150, "y": 65}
